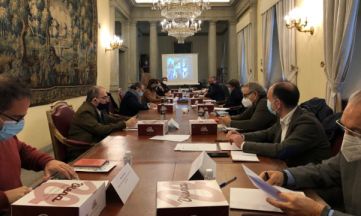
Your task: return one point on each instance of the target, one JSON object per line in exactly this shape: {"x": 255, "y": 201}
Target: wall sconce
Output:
{"x": 116, "y": 43}
{"x": 296, "y": 19}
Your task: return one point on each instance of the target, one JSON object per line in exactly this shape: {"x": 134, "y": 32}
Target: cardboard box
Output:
{"x": 203, "y": 127}
{"x": 169, "y": 107}
{"x": 63, "y": 197}
{"x": 210, "y": 107}
{"x": 193, "y": 100}
{"x": 201, "y": 198}
{"x": 152, "y": 127}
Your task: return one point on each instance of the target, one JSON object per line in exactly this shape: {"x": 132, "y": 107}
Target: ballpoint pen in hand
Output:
{"x": 223, "y": 184}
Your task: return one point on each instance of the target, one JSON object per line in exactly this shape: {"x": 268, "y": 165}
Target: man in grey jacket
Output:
{"x": 342, "y": 171}
{"x": 297, "y": 138}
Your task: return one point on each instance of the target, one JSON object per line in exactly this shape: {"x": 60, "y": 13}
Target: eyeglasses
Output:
{"x": 352, "y": 132}
{"x": 17, "y": 120}
{"x": 249, "y": 93}
{"x": 104, "y": 97}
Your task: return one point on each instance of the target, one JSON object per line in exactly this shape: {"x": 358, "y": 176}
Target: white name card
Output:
{"x": 200, "y": 164}
{"x": 124, "y": 182}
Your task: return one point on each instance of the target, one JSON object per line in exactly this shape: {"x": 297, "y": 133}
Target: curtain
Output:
{"x": 245, "y": 56}
{"x": 268, "y": 20}
{"x": 339, "y": 21}
{"x": 287, "y": 41}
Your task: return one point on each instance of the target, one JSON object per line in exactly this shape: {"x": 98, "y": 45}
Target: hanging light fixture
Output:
{"x": 180, "y": 16}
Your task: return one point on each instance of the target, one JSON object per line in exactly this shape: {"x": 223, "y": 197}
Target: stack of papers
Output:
{"x": 174, "y": 138}
{"x": 195, "y": 147}
{"x": 253, "y": 199}
{"x": 226, "y": 146}
{"x": 241, "y": 156}
{"x": 105, "y": 168}
{"x": 220, "y": 109}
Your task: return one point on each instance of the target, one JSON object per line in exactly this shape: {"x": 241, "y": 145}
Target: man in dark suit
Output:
{"x": 342, "y": 172}
{"x": 235, "y": 97}
{"x": 215, "y": 91}
{"x": 297, "y": 138}
{"x": 90, "y": 124}
{"x": 256, "y": 116}
{"x": 132, "y": 102}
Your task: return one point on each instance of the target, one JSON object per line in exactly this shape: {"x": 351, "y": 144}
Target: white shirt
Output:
{"x": 285, "y": 121}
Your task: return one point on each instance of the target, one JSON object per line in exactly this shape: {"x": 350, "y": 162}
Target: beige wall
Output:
{"x": 36, "y": 131}
{"x": 309, "y": 53}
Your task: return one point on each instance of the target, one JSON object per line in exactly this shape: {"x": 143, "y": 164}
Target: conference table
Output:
{"x": 155, "y": 161}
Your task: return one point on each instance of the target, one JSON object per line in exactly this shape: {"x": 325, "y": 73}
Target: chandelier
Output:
{"x": 180, "y": 16}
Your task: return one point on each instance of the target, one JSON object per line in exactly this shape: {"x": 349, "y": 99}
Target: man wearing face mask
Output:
{"x": 341, "y": 171}
{"x": 14, "y": 154}
{"x": 150, "y": 94}
{"x": 235, "y": 98}
{"x": 297, "y": 138}
{"x": 256, "y": 116}
{"x": 132, "y": 102}
{"x": 90, "y": 124}
{"x": 215, "y": 90}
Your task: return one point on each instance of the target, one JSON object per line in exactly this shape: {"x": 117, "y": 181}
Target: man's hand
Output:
{"x": 152, "y": 106}
{"x": 55, "y": 167}
{"x": 130, "y": 123}
{"x": 296, "y": 204}
{"x": 236, "y": 138}
{"x": 274, "y": 177}
{"x": 226, "y": 120}
{"x": 17, "y": 193}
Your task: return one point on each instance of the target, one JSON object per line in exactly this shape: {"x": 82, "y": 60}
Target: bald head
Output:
{"x": 286, "y": 92}
{"x": 95, "y": 92}
{"x": 351, "y": 116}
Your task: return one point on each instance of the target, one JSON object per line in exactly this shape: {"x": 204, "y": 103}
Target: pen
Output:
{"x": 228, "y": 182}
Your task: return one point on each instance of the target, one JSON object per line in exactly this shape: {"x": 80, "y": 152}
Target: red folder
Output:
{"x": 86, "y": 162}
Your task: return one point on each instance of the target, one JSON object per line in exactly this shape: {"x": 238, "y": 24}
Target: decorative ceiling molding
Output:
{"x": 242, "y": 6}
{"x": 223, "y": 4}
{"x": 124, "y": 7}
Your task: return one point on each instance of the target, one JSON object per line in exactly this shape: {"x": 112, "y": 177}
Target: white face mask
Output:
{"x": 351, "y": 148}
{"x": 247, "y": 102}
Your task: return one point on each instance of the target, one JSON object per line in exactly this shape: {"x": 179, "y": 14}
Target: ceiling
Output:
{"x": 141, "y": 3}
{"x": 151, "y": 1}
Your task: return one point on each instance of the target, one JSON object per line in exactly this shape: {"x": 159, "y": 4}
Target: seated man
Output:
{"x": 235, "y": 98}
{"x": 341, "y": 171}
{"x": 90, "y": 124}
{"x": 215, "y": 91}
{"x": 132, "y": 101}
{"x": 256, "y": 116}
{"x": 14, "y": 154}
{"x": 162, "y": 89}
{"x": 297, "y": 138}
{"x": 150, "y": 94}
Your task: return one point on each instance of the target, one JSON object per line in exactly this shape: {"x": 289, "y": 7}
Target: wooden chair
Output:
{"x": 59, "y": 119}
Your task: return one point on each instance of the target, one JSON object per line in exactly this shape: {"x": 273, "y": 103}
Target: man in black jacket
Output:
{"x": 297, "y": 138}
{"x": 215, "y": 91}
{"x": 132, "y": 102}
{"x": 235, "y": 98}
{"x": 256, "y": 116}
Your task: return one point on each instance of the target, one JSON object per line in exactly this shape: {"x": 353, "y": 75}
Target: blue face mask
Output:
{"x": 269, "y": 106}
{"x": 10, "y": 129}
{"x": 140, "y": 94}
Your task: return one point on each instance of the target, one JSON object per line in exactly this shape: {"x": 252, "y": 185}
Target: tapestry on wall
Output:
{"x": 51, "y": 45}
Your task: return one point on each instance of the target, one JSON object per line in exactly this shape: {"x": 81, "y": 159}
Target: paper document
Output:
{"x": 174, "y": 138}
{"x": 261, "y": 184}
{"x": 226, "y": 146}
{"x": 241, "y": 156}
{"x": 253, "y": 199}
{"x": 220, "y": 109}
{"x": 195, "y": 147}
{"x": 231, "y": 129}
{"x": 105, "y": 168}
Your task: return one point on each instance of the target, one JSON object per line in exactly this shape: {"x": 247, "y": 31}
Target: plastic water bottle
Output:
{"x": 128, "y": 158}
{"x": 200, "y": 112}
{"x": 206, "y": 114}
{"x": 209, "y": 174}
{"x": 163, "y": 109}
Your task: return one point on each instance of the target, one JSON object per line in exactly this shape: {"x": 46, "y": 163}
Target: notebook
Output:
{"x": 87, "y": 162}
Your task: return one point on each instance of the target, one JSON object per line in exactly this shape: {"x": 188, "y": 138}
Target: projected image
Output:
{"x": 180, "y": 68}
